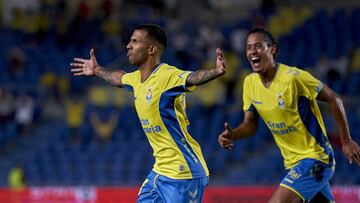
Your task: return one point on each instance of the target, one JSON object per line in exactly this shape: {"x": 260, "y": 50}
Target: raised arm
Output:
{"x": 349, "y": 147}
{"x": 246, "y": 129}
{"x": 90, "y": 67}
{"x": 203, "y": 76}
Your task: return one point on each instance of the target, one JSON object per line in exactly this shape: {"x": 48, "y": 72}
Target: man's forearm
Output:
{"x": 243, "y": 131}
{"x": 202, "y": 76}
{"x": 112, "y": 77}
{"x": 338, "y": 111}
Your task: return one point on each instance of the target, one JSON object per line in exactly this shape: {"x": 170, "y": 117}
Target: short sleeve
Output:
{"x": 172, "y": 77}
{"x": 309, "y": 85}
{"x": 247, "y": 102}
{"x": 128, "y": 80}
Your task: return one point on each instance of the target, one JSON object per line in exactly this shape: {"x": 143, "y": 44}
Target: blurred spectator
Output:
{"x": 51, "y": 92}
{"x": 7, "y": 108}
{"x": 232, "y": 75}
{"x": 181, "y": 44}
{"x": 30, "y": 28}
{"x": 258, "y": 20}
{"x": 61, "y": 31}
{"x": 111, "y": 27}
{"x": 332, "y": 70}
{"x": 42, "y": 23}
{"x": 17, "y": 60}
{"x": 237, "y": 39}
{"x": 106, "y": 8}
{"x": 207, "y": 41}
{"x": 355, "y": 61}
{"x": 24, "y": 113}
{"x": 16, "y": 177}
{"x": 75, "y": 108}
{"x": 103, "y": 122}
{"x": 83, "y": 10}
{"x": 18, "y": 19}
{"x": 61, "y": 21}
{"x": 171, "y": 8}
{"x": 52, "y": 109}
{"x": 9, "y": 6}
{"x": 81, "y": 25}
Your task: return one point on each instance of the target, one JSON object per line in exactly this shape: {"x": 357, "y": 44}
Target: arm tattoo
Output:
{"x": 112, "y": 77}
{"x": 201, "y": 76}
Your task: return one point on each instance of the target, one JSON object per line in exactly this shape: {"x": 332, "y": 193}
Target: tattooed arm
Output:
{"x": 112, "y": 77}
{"x": 90, "y": 67}
{"x": 203, "y": 76}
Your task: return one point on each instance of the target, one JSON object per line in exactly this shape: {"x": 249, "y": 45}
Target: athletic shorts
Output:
{"x": 157, "y": 188}
{"x": 308, "y": 178}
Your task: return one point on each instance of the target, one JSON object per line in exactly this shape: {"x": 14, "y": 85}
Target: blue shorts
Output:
{"x": 158, "y": 188}
{"x": 308, "y": 178}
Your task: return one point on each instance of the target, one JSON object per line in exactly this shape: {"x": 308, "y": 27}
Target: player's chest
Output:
{"x": 147, "y": 95}
{"x": 275, "y": 99}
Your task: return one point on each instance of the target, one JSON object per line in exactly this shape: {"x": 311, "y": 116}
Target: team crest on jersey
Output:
{"x": 148, "y": 95}
{"x": 281, "y": 100}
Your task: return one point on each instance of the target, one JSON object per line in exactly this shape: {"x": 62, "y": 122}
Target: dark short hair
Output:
{"x": 155, "y": 32}
{"x": 267, "y": 36}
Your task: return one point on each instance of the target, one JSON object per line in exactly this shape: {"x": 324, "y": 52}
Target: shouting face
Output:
{"x": 259, "y": 53}
{"x": 138, "y": 48}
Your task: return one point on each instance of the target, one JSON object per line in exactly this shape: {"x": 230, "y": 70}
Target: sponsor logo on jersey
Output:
{"x": 257, "y": 102}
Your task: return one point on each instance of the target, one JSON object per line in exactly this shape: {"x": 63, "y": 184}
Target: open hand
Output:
{"x": 220, "y": 61}
{"x": 352, "y": 151}
{"x": 84, "y": 66}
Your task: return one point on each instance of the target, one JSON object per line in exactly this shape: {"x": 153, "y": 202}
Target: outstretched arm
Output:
{"x": 349, "y": 147}
{"x": 203, "y": 76}
{"x": 246, "y": 129}
{"x": 90, "y": 67}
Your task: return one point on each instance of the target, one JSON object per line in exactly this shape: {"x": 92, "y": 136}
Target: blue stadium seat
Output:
{"x": 355, "y": 28}
{"x": 343, "y": 34}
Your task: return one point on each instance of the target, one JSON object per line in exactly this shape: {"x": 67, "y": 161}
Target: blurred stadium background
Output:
{"x": 78, "y": 139}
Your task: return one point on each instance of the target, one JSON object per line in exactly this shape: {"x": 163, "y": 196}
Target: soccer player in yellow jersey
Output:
{"x": 180, "y": 173}
{"x": 285, "y": 98}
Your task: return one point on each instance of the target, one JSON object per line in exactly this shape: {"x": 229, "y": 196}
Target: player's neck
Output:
{"x": 147, "y": 69}
{"x": 269, "y": 75}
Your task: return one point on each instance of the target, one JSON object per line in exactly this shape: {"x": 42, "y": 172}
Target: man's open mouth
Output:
{"x": 255, "y": 60}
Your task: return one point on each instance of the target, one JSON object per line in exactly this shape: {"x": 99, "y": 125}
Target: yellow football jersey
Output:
{"x": 289, "y": 109}
{"x": 160, "y": 105}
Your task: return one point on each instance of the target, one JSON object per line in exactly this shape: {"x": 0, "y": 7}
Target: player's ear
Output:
{"x": 153, "y": 48}
{"x": 273, "y": 48}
